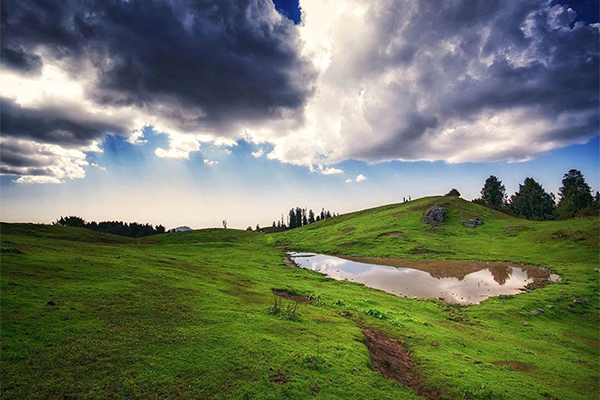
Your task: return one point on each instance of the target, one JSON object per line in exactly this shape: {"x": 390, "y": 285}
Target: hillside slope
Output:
{"x": 190, "y": 315}
{"x": 398, "y": 230}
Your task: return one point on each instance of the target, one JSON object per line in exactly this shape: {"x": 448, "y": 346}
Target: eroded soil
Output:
{"x": 392, "y": 359}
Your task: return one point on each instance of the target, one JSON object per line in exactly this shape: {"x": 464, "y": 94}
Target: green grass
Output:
{"x": 190, "y": 315}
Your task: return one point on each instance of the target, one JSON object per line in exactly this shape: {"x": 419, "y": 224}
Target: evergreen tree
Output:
{"x": 76, "y": 222}
{"x": 575, "y": 194}
{"x": 322, "y": 214}
{"x": 493, "y": 192}
{"x": 298, "y": 217}
{"x": 327, "y": 214}
{"x": 304, "y": 218}
{"x": 532, "y": 201}
{"x": 292, "y": 222}
{"x": 311, "y": 216}
{"x": 274, "y": 225}
{"x": 257, "y": 228}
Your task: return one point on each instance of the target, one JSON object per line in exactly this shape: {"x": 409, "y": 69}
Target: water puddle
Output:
{"x": 454, "y": 281}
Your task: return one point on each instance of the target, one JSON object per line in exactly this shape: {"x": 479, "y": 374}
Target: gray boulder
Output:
{"x": 473, "y": 223}
{"x": 435, "y": 215}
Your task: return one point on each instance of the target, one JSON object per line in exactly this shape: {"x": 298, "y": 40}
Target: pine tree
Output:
{"x": 292, "y": 222}
{"x": 532, "y": 201}
{"x": 311, "y": 216}
{"x": 575, "y": 194}
{"x": 493, "y": 192}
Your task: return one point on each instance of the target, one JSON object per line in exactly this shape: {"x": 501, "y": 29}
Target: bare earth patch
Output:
{"x": 277, "y": 376}
{"x": 288, "y": 262}
{"x": 290, "y": 296}
{"x": 515, "y": 365}
{"x": 350, "y": 229}
{"x": 392, "y": 360}
{"x": 391, "y": 234}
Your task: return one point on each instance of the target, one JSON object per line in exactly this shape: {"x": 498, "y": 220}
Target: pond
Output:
{"x": 454, "y": 281}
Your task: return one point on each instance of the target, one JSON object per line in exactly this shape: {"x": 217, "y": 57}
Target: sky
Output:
{"x": 191, "y": 112}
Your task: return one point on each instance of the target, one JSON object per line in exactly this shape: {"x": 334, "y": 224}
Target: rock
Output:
{"x": 453, "y": 193}
{"x": 536, "y": 312}
{"x": 503, "y": 296}
{"x": 549, "y": 306}
{"x": 434, "y": 215}
{"x": 473, "y": 223}
{"x": 525, "y": 323}
{"x": 579, "y": 300}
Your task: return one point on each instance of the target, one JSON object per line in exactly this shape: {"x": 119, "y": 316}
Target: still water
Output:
{"x": 463, "y": 282}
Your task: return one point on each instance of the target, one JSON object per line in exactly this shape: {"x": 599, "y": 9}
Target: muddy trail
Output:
{"x": 392, "y": 359}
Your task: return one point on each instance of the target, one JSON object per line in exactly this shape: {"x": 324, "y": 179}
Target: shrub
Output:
{"x": 290, "y": 311}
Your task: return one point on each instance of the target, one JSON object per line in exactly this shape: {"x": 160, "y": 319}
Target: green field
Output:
{"x": 189, "y": 315}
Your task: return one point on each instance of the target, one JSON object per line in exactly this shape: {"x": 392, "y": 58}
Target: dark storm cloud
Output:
{"x": 202, "y": 66}
{"x": 474, "y": 58}
{"x": 230, "y": 59}
{"x": 53, "y": 124}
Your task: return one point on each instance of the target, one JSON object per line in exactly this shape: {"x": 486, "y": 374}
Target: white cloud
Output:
{"x": 180, "y": 146}
{"x": 100, "y": 167}
{"x": 28, "y": 179}
{"x": 258, "y": 153}
{"x": 359, "y": 178}
{"x": 210, "y": 162}
{"x": 325, "y": 170}
{"x": 137, "y": 137}
{"x": 41, "y": 163}
{"x": 331, "y": 171}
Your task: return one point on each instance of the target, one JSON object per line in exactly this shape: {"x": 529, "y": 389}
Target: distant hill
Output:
{"x": 398, "y": 230}
{"x": 180, "y": 229}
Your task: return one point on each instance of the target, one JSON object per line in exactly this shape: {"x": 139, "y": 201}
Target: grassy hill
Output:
{"x": 190, "y": 315}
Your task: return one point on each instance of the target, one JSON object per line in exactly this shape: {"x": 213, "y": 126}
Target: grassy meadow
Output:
{"x": 191, "y": 315}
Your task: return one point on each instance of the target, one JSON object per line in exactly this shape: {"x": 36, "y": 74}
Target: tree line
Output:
{"x": 531, "y": 201}
{"x": 121, "y": 228}
{"x": 296, "y": 218}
